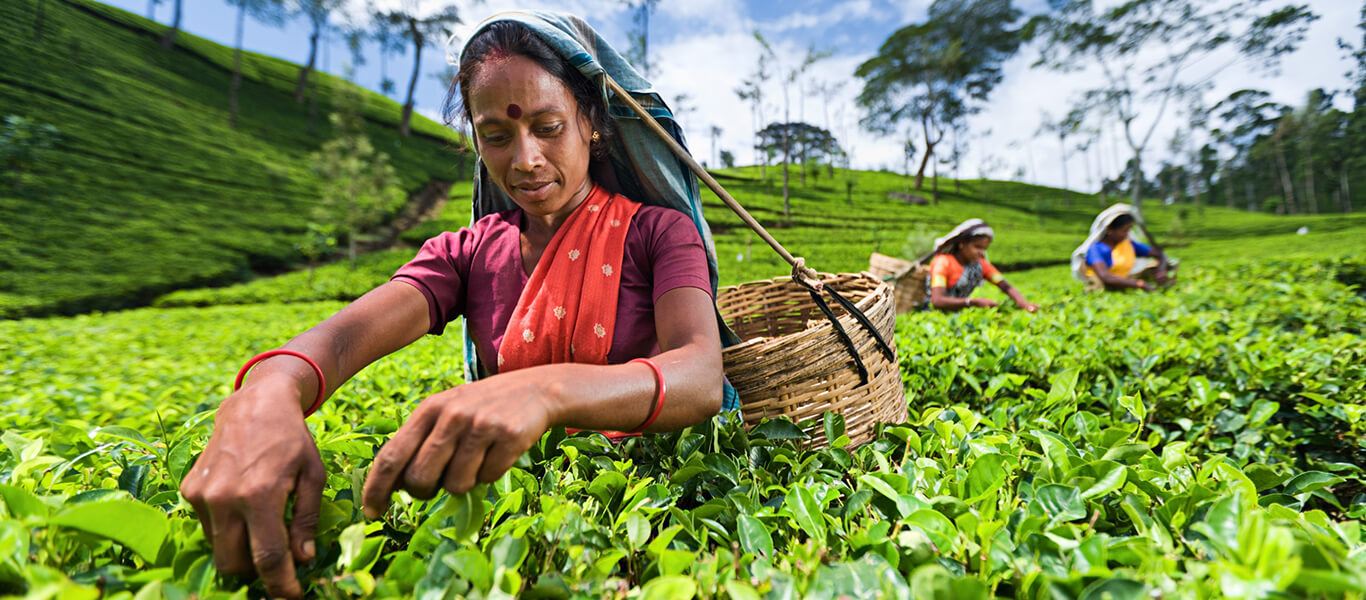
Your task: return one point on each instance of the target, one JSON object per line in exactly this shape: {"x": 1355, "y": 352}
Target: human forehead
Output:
{"x": 501, "y": 83}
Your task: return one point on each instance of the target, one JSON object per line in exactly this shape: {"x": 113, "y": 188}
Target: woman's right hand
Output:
{"x": 259, "y": 454}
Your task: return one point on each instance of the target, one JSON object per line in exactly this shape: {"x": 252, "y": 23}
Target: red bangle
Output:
{"x": 322, "y": 381}
{"x": 659, "y": 400}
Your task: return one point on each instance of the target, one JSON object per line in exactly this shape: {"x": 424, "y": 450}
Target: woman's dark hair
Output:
{"x": 510, "y": 38}
{"x": 1120, "y": 221}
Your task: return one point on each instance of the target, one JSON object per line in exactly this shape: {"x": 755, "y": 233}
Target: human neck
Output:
{"x": 545, "y": 226}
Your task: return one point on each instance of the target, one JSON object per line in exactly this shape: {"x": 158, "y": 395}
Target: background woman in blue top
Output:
{"x": 1110, "y": 257}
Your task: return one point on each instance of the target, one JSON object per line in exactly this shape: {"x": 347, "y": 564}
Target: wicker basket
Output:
{"x": 793, "y": 363}
{"x": 908, "y": 277}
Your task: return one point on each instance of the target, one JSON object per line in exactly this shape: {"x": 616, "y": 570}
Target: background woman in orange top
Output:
{"x": 959, "y": 266}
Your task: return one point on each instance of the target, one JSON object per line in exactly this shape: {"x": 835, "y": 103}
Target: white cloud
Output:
{"x": 716, "y": 14}
{"x": 849, "y": 10}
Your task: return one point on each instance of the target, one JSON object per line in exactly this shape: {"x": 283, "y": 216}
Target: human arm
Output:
{"x": 940, "y": 299}
{"x": 260, "y": 451}
{"x": 475, "y": 432}
{"x": 1110, "y": 279}
{"x": 1018, "y": 297}
{"x": 1162, "y": 275}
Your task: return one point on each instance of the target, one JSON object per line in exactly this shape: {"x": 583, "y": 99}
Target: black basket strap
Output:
{"x": 843, "y": 335}
{"x": 863, "y": 320}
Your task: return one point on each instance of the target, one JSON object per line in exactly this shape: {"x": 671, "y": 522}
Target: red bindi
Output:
{"x": 514, "y": 111}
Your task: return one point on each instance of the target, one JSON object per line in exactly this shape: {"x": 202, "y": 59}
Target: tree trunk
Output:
{"x": 151, "y": 10}
{"x": 924, "y": 161}
{"x": 168, "y": 40}
{"x": 1228, "y": 188}
{"x": 787, "y": 208}
{"x": 236, "y": 67}
{"x": 308, "y": 69}
{"x": 929, "y": 151}
{"x": 1287, "y": 186}
{"x": 1066, "y": 193}
{"x": 412, "y": 83}
{"x": 1086, "y": 164}
{"x": 1309, "y": 194}
{"x": 1346, "y": 190}
{"x": 1136, "y": 185}
{"x": 934, "y": 185}
{"x": 312, "y": 105}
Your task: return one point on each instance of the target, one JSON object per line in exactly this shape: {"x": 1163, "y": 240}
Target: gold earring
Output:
{"x": 596, "y": 137}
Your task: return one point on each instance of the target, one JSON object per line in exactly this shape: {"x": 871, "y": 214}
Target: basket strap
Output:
{"x": 865, "y": 322}
{"x": 702, "y": 174}
{"x": 814, "y": 287}
{"x": 843, "y": 335}
{"x": 802, "y": 274}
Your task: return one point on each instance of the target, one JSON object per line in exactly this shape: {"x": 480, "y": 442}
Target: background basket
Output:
{"x": 908, "y": 277}
{"x": 793, "y": 363}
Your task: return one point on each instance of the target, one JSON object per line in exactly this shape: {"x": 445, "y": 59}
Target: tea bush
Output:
{"x": 1201, "y": 442}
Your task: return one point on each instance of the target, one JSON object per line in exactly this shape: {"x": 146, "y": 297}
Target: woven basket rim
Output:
{"x": 863, "y": 304}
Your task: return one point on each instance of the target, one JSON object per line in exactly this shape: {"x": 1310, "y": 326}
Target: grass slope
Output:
{"x": 836, "y": 231}
{"x": 148, "y": 189}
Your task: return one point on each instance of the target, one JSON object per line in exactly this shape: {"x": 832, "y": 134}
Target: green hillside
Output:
{"x": 836, "y": 228}
{"x": 146, "y": 188}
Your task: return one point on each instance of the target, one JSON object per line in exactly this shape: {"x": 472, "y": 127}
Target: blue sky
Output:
{"x": 711, "y": 48}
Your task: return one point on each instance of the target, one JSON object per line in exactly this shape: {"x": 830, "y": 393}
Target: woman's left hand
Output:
{"x": 1030, "y": 307}
{"x": 459, "y": 438}
{"x": 1161, "y": 275}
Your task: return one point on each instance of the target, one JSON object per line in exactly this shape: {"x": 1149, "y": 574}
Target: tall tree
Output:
{"x": 928, "y": 73}
{"x": 638, "y": 52}
{"x": 791, "y": 76}
{"x": 316, "y": 12}
{"x": 270, "y": 12}
{"x": 715, "y": 132}
{"x": 1160, "y": 51}
{"x": 388, "y": 36}
{"x": 168, "y": 38}
{"x": 152, "y": 9}
{"x": 1248, "y": 119}
{"x": 420, "y": 31}
{"x": 1062, "y": 128}
{"x": 787, "y": 137}
{"x": 360, "y": 187}
{"x": 752, "y": 90}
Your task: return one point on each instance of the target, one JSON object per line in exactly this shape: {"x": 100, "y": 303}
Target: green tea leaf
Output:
{"x": 1310, "y": 481}
{"x": 1059, "y": 502}
{"x": 669, "y": 587}
{"x": 135, "y": 525}
{"x": 637, "y": 529}
{"x": 22, "y": 503}
{"x": 1134, "y": 404}
{"x": 1108, "y": 476}
{"x": 807, "y": 512}
{"x": 986, "y": 475}
{"x": 779, "y": 429}
{"x": 1064, "y": 387}
{"x": 754, "y": 536}
{"x": 834, "y": 425}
